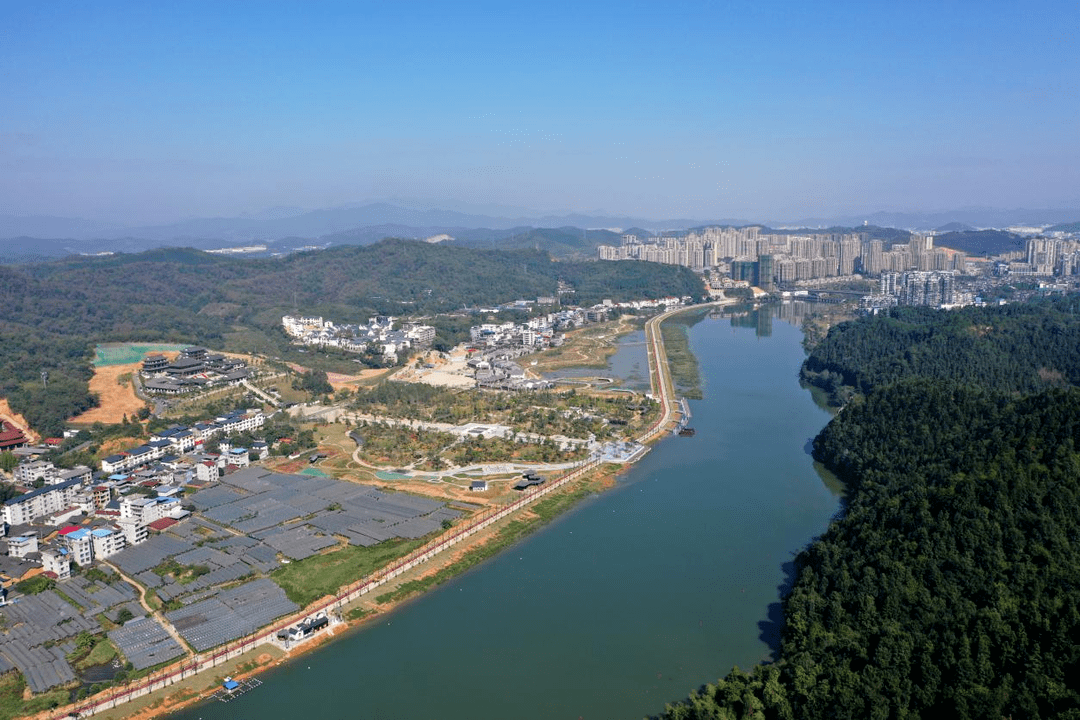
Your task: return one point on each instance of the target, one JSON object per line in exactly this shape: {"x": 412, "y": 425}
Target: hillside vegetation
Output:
{"x": 947, "y": 587}
{"x": 980, "y": 242}
{"x": 1018, "y": 348}
{"x": 55, "y": 312}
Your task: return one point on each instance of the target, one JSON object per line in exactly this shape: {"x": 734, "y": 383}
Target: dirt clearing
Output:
{"x": 6, "y": 413}
{"x": 117, "y": 399}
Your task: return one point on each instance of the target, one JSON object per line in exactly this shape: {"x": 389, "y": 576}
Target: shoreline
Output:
{"x": 175, "y": 694}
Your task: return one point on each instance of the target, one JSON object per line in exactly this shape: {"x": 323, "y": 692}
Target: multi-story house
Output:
{"x": 57, "y": 561}
{"x": 44, "y": 501}
{"x": 107, "y": 541}
{"x": 20, "y": 546}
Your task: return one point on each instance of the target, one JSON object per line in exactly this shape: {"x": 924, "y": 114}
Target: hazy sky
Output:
{"x": 149, "y": 111}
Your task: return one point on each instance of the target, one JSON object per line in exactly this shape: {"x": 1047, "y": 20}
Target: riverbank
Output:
{"x": 684, "y": 366}
{"x": 366, "y": 610}
{"x": 484, "y": 542}
{"x": 636, "y": 596}
{"x": 592, "y": 347}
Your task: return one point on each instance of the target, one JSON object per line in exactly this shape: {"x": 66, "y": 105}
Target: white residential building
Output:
{"x": 44, "y": 501}
{"x": 238, "y": 457}
{"x": 29, "y": 472}
{"x": 134, "y": 530}
{"x": 79, "y": 472}
{"x": 80, "y": 543}
{"x": 146, "y": 510}
{"x": 241, "y": 421}
{"x": 207, "y": 471}
{"x": 22, "y": 545}
{"x": 107, "y": 541}
{"x": 57, "y": 561}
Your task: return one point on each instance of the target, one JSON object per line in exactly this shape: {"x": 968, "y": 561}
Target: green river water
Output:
{"x": 630, "y": 600}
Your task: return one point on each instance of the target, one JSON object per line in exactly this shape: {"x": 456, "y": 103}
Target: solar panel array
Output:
{"x": 96, "y": 596}
{"x": 42, "y": 667}
{"x": 149, "y": 579}
{"x": 261, "y": 505}
{"x": 34, "y": 621}
{"x": 145, "y": 643}
{"x": 298, "y": 542}
{"x": 45, "y": 617}
{"x": 231, "y": 614}
{"x": 132, "y": 607}
{"x": 197, "y": 529}
{"x": 212, "y": 579}
{"x": 139, "y": 558}
{"x": 258, "y": 500}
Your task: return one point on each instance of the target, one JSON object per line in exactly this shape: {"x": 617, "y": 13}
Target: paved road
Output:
{"x": 660, "y": 374}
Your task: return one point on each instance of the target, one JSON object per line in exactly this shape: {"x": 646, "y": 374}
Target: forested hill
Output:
{"x": 54, "y": 312}
{"x": 564, "y": 242}
{"x": 948, "y": 589}
{"x": 981, "y": 242}
{"x": 948, "y": 585}
{"x": 1021, "y": 348}
{"x": 386, "y": 277}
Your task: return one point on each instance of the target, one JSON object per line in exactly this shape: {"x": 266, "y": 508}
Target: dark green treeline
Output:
{"x": 949, "y": 586}
{"x": 1017, "y": 348}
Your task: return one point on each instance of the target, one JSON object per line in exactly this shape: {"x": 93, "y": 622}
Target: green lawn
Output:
{"x": 102, "y": 653}
{"x": 12, "y": 704}
{"x": 307, "y": 580}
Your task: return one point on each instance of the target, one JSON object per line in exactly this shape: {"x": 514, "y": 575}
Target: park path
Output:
{"x": 157, "y": 615}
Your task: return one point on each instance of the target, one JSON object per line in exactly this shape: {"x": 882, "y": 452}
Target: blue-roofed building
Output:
{"x": 20, "y": 546}
{"x": 80, "y": 544}
{"x": 238, "y": 457}
{"x": 107, "y": 541}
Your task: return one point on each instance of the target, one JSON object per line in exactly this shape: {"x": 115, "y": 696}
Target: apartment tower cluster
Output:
{"x": 767, "y": 259}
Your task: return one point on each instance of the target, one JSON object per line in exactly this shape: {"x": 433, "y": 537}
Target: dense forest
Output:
{"x": 55, "y": 312}
{"x": 948, "y": 585}
{"x": 1022, "y": 347}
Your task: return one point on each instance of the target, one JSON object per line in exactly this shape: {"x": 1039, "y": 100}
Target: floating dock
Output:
{"x": 233, "y": 689}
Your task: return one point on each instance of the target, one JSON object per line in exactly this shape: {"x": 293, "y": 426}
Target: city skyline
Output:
{"x": 140, "y": 114}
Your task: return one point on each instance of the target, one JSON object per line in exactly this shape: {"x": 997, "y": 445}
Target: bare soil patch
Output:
{"x": 6, "y": 413}
{"x": 117, "y": 399}
{"x": 339, "y": 380}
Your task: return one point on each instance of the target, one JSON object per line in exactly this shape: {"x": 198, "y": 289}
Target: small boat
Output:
{"x": 687, "y": 432}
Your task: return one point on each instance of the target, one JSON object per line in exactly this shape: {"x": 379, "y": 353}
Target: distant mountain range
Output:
{"x": 285, "y": 222}
{"x": 966, "y": 218}
{"x": 286, "y": 229}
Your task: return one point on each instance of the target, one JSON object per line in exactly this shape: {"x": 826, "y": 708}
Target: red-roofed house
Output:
{"x": 11, "y": 437}
{"x": 162, "y": 524}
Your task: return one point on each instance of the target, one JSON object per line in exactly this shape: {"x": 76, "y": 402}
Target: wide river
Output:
{"x": 629, "y": 601}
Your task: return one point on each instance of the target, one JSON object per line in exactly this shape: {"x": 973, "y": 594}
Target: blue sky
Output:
{"x": 145, "y": 112}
